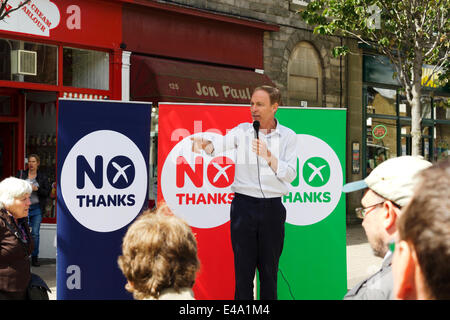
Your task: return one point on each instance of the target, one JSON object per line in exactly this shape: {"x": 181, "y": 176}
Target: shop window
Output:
{"x": 425, "y": 102}
{"x": 40, "y": 61}
{"x": 405, "y": 139}
{"x": 86, "y": 69}
{"x": 381, "y": 101}
{"x": 41, "y": 140}
{"x": 381, "y": 126}
{"x": 381, "y": 141}
{"x": 404, "y": 107}
{"x": 426, "y": 143}
{"x": 442, "y": 108}
{"x": 305, "y": 76}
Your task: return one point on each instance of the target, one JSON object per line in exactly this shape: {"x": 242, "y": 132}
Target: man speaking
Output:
{"x": 265, "y": 166}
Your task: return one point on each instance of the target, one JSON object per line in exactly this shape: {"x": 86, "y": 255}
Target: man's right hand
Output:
{"x": 199, "y": 144}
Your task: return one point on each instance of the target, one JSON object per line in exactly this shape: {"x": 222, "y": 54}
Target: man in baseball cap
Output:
{"x": 388, "y": 188}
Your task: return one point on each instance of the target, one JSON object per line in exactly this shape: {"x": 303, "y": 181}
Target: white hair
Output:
{"x": 12, "y": 188}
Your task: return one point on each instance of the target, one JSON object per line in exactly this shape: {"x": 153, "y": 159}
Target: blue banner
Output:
{"x": 102, "y": 185}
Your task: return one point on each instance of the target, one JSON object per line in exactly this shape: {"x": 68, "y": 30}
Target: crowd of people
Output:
{"x": 387, "y": 190}
{"x": 405, "y": 205}
{"x": 406, "y": 217}
{"x": 405, "y": 214}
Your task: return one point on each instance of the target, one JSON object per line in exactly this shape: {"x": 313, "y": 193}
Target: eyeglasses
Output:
{"x": 362, "y": 212}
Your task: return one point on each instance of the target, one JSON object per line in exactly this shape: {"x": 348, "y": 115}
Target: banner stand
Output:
{"x": 313, "y": 264}
{"x": 102, "y": 186}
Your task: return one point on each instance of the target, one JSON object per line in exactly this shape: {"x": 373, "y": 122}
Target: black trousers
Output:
{"x": 257, "y": 237}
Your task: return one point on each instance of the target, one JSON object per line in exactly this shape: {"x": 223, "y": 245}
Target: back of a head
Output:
{"x": 159, "y": 252}
{"x": 11, "y": 188}
{"x": 425, "y": 223}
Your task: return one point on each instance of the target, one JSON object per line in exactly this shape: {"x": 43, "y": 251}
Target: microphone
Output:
{"x": 256, "y": 125}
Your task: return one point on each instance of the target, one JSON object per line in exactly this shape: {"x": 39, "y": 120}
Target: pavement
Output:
{"x": 361, "y": 262}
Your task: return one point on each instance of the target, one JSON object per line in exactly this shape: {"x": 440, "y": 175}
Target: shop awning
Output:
{"x": 158, "y": 80}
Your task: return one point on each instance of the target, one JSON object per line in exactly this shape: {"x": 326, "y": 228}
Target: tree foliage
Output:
{"x": 410, "y": 33}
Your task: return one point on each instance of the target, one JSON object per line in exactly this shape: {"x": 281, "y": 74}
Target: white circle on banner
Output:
{"x": 316, "y": 191}
{"x": 197, "y": 187}
{"x": 104, "y": 181}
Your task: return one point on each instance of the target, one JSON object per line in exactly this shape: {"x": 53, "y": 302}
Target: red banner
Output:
{"x": 197, "y": 187}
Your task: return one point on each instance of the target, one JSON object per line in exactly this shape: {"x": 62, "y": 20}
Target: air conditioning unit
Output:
{"x": 24, "y": 62}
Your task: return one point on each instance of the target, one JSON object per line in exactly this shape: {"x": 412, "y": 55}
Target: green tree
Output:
{"x": 409, "y": 32}
{"x": 7, "y": 8}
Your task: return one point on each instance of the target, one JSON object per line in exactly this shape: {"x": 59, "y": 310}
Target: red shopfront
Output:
{"x": 50, "y": 50}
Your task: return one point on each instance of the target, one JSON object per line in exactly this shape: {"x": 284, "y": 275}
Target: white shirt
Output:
{"x": 282, "y": 144}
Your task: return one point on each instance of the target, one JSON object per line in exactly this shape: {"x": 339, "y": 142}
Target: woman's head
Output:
{"x": 33, "y": 161}
{"x": 159, "y": 252}
{"x": 15, "y": 196}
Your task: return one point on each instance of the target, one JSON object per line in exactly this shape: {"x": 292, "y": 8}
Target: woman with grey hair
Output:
{"x": 16, "y": 242}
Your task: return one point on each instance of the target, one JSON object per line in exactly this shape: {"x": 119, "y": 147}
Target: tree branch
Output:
{"x": 438, "y": 66}
{"x": 4, "y": 13}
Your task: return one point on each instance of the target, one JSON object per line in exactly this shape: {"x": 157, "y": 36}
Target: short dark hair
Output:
{"x": 425, "y": 223}
{"x": 274, "y": 93}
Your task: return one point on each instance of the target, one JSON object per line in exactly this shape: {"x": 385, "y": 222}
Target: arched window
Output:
{"x": 305, "y": 76}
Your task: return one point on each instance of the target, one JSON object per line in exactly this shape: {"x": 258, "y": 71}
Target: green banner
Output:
{"x": 313, "y": 262}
